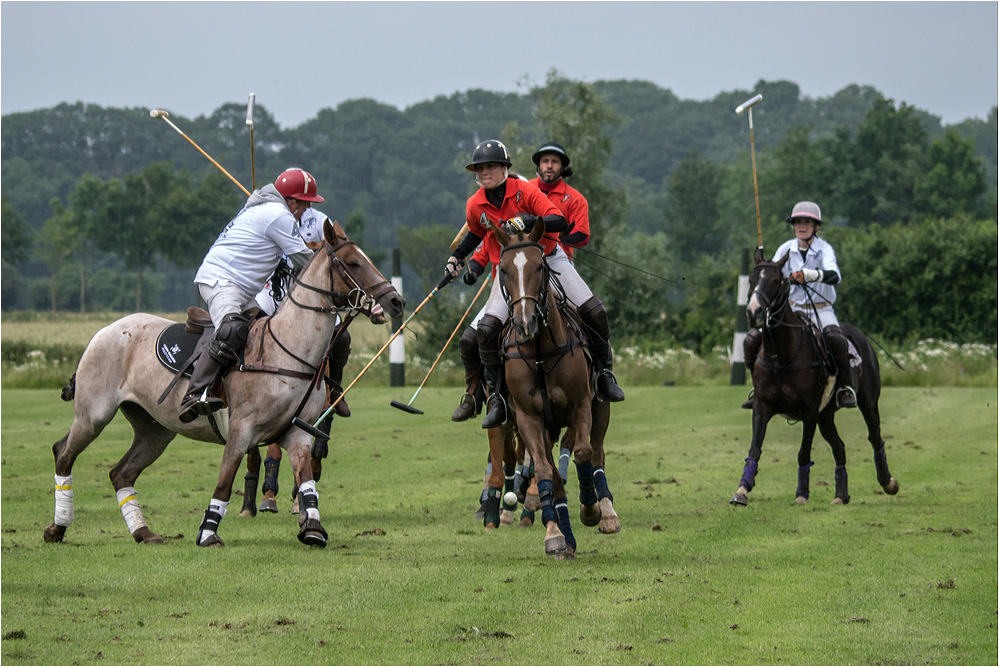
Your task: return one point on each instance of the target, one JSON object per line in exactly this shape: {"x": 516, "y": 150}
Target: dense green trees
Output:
{"x": 108, "y": 206}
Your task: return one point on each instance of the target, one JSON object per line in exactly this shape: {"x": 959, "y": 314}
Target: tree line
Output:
{"x": 108, "y": 208}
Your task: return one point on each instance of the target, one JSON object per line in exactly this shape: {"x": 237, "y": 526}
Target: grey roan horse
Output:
{"x": 790, "y": 378}
{"x": 119, "y": 371}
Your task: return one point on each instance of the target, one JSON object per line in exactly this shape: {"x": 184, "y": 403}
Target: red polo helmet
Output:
{"x": 297, "y": 184}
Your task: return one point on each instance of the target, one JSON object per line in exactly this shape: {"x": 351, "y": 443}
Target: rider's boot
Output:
{"x": 496, "y": 412}
{"x": 338, "y": 359}
{"x": 471, "y": 402}
{"x": 750, "y": 348}
{"x": 223, "y": 351}
{"x": 594, "y": 317}
{"x": 846, "y": 395}
{"x": 487, "y": 334}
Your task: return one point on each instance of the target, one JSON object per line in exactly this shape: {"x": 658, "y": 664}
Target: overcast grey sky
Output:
{"x": 191, "y": 57}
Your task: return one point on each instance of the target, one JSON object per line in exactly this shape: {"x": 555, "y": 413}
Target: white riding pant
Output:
{"x": 224, "y": 298}
{"x": 576, "y": 289}
{"x": 821, "y": 317}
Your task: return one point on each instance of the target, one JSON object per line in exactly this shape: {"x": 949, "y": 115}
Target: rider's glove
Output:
{"x": 474, "y": 271}
{"x": 452, "y": 268}
{"x": 522, "y": 222}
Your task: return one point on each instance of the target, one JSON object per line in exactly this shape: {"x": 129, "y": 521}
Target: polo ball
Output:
{"x": 510, "y": 498}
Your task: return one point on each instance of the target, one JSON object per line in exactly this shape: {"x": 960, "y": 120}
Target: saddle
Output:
{"x": 179, "y": 346}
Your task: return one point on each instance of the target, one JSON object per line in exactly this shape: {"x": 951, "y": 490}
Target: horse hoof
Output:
{"x": 555, "y": 545}
{"x": 54, "y": 533}
{"x": 739, "y": 499}
{"x": 506, "y": 518}
{"x": 212, "y": 540}
{"x": 609, "y": 525}
{"x": 489, "y": 526}
{"x": 313, "y": 534}
{"x": 145, "y": 536}
{"x": 568, "y": 554}
{"x": 891, "y": 488}
{"x": 532, "y": 503}
{"x": 268, "y": 505}
{"x": 294, "y": 508}
{"x": 840, "y": 501}
{"x": 525, "y": 522}
{"x": 589, "y": 515}
{"x": 800, "y": 500}
{"x": 247, "y": 513}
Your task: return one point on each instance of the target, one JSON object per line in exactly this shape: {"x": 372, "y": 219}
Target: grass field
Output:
{"x": 410, "y": 577}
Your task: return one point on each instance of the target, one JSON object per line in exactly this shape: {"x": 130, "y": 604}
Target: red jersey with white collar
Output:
{"x": 521, "y": 197}
{"x": 575, "y": 209}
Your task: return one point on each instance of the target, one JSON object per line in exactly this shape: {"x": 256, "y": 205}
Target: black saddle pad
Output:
{"x": 174, "y": 347}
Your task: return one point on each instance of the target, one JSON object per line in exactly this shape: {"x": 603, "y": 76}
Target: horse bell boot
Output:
{"x": 496, "y": 404}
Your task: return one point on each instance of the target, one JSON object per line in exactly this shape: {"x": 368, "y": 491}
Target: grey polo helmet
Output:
{"x": 805, "y": 209}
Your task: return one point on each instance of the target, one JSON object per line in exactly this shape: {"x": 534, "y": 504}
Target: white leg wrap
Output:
{"x": 63, "y": 501}
{"x": 128, "y": 503}
{"x": 309, "y": 488}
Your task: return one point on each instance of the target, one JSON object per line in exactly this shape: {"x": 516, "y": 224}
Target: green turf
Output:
{"x": 410, "y": 577}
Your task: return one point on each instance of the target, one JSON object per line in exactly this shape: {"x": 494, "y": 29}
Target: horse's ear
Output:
{"x": 328, "y": 232}
{"x": 539, "y": 230}
{"x": 783, "y": 260}
{"x": 758, "y": 256}
{"x": 501, "y": 234}
{"x": 338, "y": 231}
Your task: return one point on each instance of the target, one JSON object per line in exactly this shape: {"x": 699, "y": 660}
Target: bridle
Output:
{"x": 773, "y": 310}
{"x": 541, "y": 300}
{"x": 358, "y": 299}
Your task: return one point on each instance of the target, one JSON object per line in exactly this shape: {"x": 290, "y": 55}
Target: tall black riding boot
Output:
{"x": 846, "y": 395}
{"x": 594, "y": 316}
{"x": 338, "y": 359}
{"x": 471, "y": 402}
{"x": 496, "y": 403}
{"x": 197, "y": 401}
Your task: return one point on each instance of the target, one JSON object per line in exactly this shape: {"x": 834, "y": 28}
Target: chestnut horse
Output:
{"x": 548, "y": 380}
{"x": 119, "y": 371}
{"x": 790, "y": 378}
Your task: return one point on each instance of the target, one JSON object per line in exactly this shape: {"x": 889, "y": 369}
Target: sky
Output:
{"x": 299, "y": 57}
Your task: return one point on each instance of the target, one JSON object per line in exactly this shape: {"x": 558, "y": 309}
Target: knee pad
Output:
{"x": 230, "y": 338}
{"x": 469, "y": 346}
{"x": 487, "y": 336}
{"x": 593, "y": 312}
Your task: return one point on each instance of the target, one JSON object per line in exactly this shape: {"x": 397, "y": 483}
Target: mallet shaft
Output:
{"x": 158, "y": 113}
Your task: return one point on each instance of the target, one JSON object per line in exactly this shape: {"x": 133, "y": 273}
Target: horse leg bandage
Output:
{"x": 63, "y": 501}
{"x": 492, "y": 506}
{"x": 841, "y": 484}
{"x": 881, "y": 466}
{"x": 600, "y": 483}
{"x": 128, "y": 503}
{"x": 545, "y": 491}
{"x": 563, "y": 463}
{"x": 271, "y": 467}
{"x": 212, "y": 519}
{"x": 562, "y": 512}
{"x": 748, "y": 475}
{"x": 309, "y": 503}
{"x": 803, "y": 472}
{"x": 587, "y": 492}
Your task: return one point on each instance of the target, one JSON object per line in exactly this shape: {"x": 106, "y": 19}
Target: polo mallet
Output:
{"x": 249, "y": 121}
{"x": 408, "y": 407}
{"x": 444, "y": 281}
{"x": 748, "y": 104}
{"x": 159, "y": 113}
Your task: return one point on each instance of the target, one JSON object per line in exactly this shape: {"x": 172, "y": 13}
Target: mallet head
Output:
{"x": 406, "y": 408}
{"x": 748, "y": 103}
{"x": 158, "y": 113}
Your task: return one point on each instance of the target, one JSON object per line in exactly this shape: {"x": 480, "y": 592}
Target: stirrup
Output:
{"x": 846, "y": 397}
{"x": 750, "y": 400}
{"x": 205, "y": 405}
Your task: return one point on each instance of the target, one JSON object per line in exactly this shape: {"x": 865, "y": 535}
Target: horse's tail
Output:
{"x": 69, "y": 391}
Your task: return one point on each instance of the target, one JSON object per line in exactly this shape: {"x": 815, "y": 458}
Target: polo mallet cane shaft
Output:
{"x": 398, "y": 331}
{"x": 249, "y": 121}
{"x": 748, "y": 104}
{"x": 159, "y": 113}
{"x": 408, "y": 407}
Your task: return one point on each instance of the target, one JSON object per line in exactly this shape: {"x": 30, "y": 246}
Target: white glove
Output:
{"x": 453, "y": 268}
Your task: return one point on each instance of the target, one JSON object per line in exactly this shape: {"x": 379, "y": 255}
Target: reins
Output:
{"x": 776, "y": 315}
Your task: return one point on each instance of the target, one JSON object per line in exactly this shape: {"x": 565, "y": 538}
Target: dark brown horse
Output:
{"x": 791, "y": 378}
{"x": 119, "y": 371}
{"x": 548, "y": 379}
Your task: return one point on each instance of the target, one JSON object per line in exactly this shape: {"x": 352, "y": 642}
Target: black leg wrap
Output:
{"x": 841, "y": 484}
{"x": 210, "y": 522}
{"x": 250, "y": 494}
{"x": 492, "y": 507}
{"x": 271, "y": 467}
{"x": 320, "y": 447}
{"x": 881, "y": 466}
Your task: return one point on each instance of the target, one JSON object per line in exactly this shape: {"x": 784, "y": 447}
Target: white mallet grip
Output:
{"x": 249, "y": 109}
